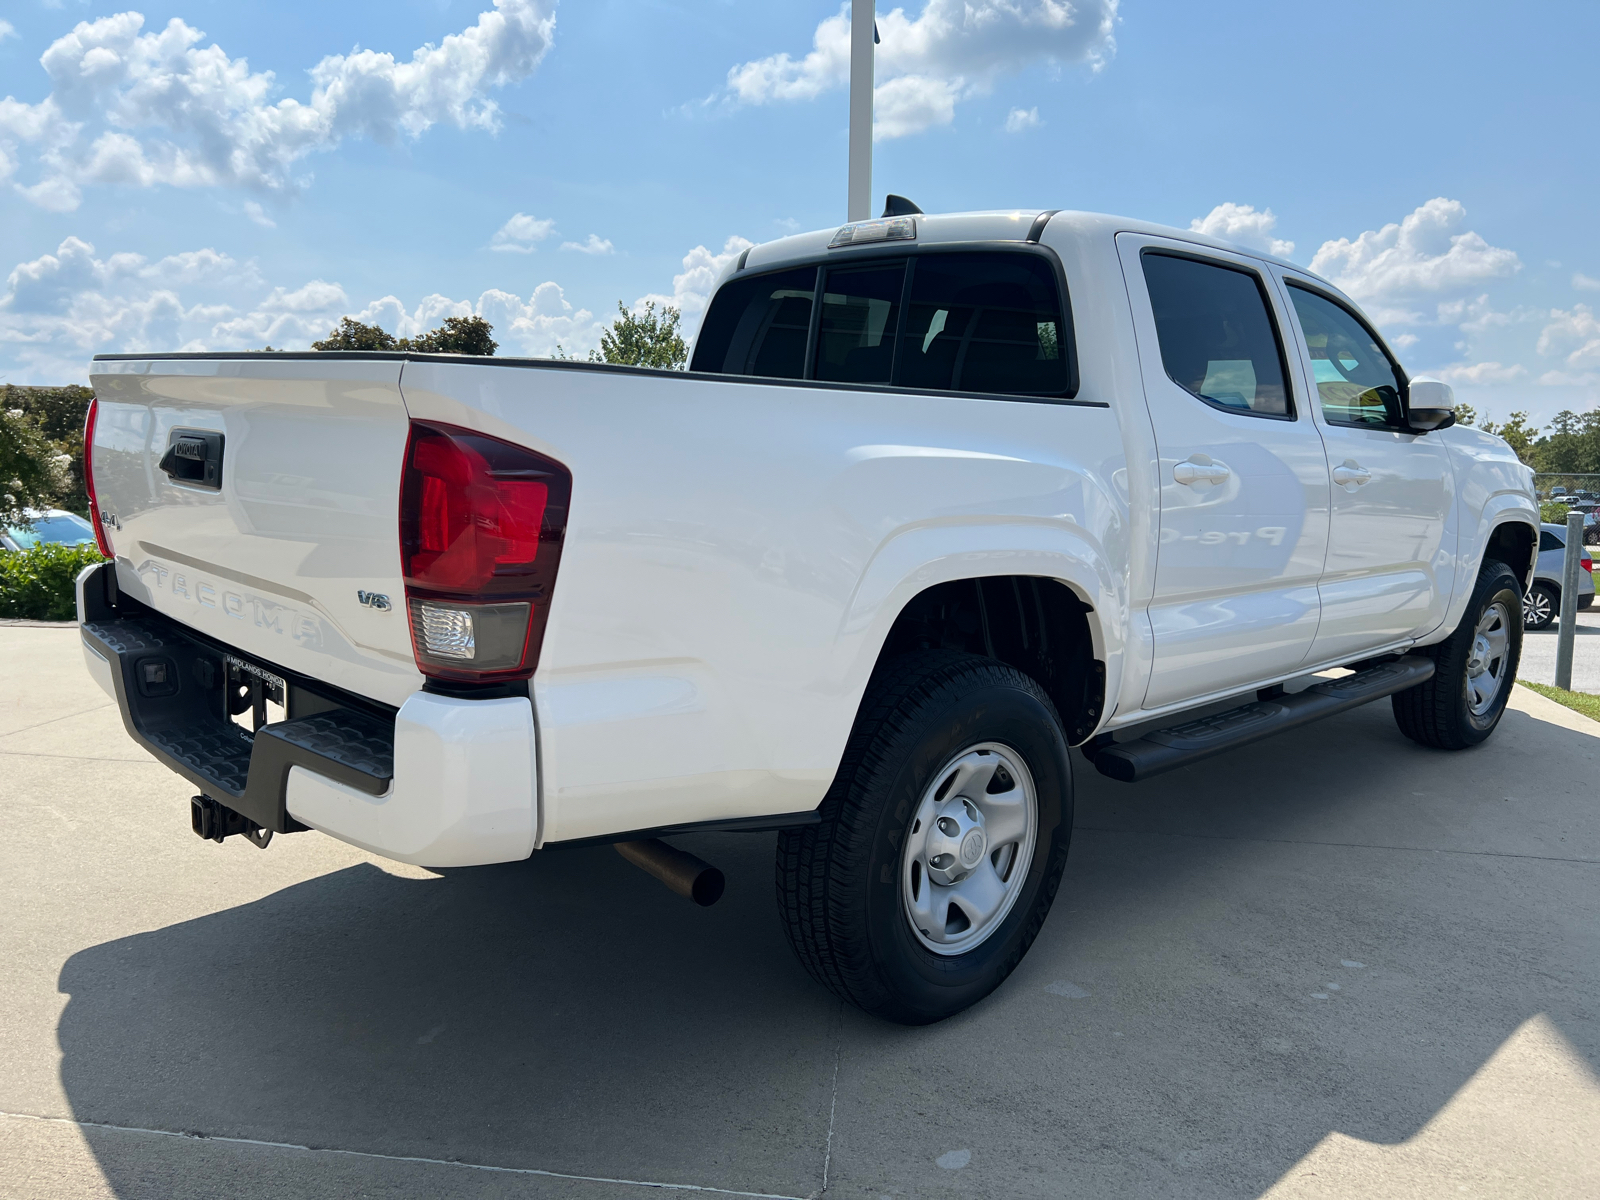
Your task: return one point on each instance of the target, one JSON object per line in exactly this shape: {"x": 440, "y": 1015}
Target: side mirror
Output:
{"x": 1430, "y": 405}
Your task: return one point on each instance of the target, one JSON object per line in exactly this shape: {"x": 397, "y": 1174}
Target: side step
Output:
{"x": 1180, "y": 745}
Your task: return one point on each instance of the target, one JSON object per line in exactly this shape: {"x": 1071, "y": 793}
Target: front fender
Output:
{"x": 1504, "y": 508}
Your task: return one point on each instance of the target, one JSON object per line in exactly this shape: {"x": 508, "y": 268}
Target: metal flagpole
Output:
{"x": 859, "y": 207}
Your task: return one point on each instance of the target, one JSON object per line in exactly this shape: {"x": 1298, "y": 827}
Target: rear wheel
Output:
{"x": 942, "y": 841}
{"x": 1540, "y": 606}
{"x": 1474, "y": 669}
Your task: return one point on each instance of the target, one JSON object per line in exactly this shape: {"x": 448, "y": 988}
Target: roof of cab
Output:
{"x": 995, "y": 225}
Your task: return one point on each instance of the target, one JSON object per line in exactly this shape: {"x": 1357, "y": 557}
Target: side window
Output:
{"x": 983, "y": 323}
{"x": 1357, "y": 382}
{"x": 1549, "y": 541}
{"x": 758, "y": 326}
{"x": 860, "y": 313}
{"x": 1218, "y": 340}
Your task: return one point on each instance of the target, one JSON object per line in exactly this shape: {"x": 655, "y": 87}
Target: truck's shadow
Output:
{"x": 569, "y": 1014}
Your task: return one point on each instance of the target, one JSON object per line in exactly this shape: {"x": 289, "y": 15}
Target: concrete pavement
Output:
{"x": 1539, "y": 653}
{"x": 1330, "y": 964}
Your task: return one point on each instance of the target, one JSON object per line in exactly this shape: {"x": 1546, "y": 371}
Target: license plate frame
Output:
{"x": 264, "y": 686}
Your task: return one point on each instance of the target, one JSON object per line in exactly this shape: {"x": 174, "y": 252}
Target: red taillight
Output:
{"x": 481, "y": 526}
{"x": 1586, "y": 563}
{"x": 88, "y": 479}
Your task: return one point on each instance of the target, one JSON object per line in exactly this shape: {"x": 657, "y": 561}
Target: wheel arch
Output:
{"x": 1037, "y": 624}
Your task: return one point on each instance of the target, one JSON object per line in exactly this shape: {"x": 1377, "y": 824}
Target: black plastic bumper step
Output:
{"x": 1180, "y": 745}
{"x": 170, "y": 685}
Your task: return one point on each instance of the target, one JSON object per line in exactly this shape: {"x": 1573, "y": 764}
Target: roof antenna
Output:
{"x": 898, "y": 206}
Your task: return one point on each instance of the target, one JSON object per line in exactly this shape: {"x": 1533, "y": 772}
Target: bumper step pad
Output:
{"x": 170, "y": 690}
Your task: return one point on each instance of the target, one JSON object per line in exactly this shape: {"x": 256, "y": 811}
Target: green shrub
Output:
{"x": 37, "y": 584}
{"x": 1553, "y": 512}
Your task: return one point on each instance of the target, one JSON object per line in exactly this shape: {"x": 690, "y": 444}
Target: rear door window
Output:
{"x": 759, "y": 326}
{"x": 860, "y": 313}
{"x": 983, "y": 323}
{"x": 1549, "y": 541}
{"x": 1218, "y": 340}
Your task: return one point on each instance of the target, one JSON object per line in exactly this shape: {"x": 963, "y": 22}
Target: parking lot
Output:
{"x": 1333, "y": 964}
{"x": 1539, "y": 653}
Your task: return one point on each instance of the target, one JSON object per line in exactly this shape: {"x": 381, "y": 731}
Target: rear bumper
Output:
{"x": 442, "y": 782}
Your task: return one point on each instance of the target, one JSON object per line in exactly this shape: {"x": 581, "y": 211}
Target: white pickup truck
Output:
{"x": 940, "y": 497}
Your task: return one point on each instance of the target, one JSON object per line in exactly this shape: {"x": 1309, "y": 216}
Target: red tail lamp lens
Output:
{"x": 88, "y": 479}
{"x": 481, "y": 526}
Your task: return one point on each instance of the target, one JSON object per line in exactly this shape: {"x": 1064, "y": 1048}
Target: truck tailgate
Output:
{"x": 291, "y": 553}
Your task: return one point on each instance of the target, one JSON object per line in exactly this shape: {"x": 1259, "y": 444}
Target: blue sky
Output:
{"x": 159, "y": 189}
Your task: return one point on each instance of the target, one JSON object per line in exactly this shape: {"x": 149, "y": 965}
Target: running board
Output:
{"x": 1180, "y": 745}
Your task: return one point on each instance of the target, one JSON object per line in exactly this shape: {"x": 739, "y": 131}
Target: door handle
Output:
{"x": 1200, "y": 471}
{"x": 1350, "y": 475}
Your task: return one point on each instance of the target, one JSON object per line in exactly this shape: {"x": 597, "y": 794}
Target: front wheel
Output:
{"x": 941, "y": 844}
{"x": 1474, "y": 669}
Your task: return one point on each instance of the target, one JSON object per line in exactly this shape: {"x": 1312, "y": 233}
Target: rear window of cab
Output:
{"x": 989, "y": 322}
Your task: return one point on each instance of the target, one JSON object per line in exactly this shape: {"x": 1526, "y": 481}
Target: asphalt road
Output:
{"x": 1334, "y": 964}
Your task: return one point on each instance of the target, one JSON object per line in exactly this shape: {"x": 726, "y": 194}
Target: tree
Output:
{"x": 353, "y": 335}
{"x": 33, "y": 474}
{"x": 458, "y": 335}
{"x": 644, "y": 339}
{"x": 56, "y": 415}
{"x": 1517, "y": 432}
{"x": 1466, "y": 414}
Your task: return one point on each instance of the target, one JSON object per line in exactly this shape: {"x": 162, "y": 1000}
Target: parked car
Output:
{"x": 46, "y": 525}
{"x": 1542, "y": 603}
{"x": 939, "y": 498}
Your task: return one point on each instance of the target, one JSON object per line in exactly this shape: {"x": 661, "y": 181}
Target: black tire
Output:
{"x": 1437, "y": 713}
{"x": 839, "y": 885}
{"x": 1541, "y": 605}
{"x": 1591, "y": 536}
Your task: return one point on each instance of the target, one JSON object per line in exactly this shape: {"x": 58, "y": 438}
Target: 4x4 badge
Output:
{"x": 375, "y": 600}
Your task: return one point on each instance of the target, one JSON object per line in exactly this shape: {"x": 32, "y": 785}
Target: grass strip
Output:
{"x": 1580, "y": 702}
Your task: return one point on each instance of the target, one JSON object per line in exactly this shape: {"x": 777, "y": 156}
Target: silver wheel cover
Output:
{"x": 1536, "y": 608}
{"x": 968, "y": 848}
{"x": 1486, "y": 660}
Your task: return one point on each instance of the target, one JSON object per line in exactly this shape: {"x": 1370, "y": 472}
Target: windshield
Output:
{"x": 64, "y": 528}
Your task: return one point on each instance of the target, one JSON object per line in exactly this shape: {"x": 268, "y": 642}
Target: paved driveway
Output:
{"x": 1332, "y": 965}
{"x": 1539, "y": 653}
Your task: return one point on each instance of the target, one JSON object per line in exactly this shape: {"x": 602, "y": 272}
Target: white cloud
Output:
{"x": 952, "y": 50}
{"x": 1584, "y": 283}
{"x": 259, "y": 215}
{"x": 522, "y": 233}
{"x": 1480, "y": 374}
{"x": 60, "y": 308}
{"x": 1404, "y": 341}
{"x": 547, "y": 320}
{"x": 143, "y": 109}
{"x": 594, "y": 245}
{"x": 691, "y": 290}
{"x": 7, "y": 29}
{"x": 1575, "y": 336}
{"x": 1243, "y": 225}
{"x": 1422, "y": 254}
{"x": 1019, "y": 119}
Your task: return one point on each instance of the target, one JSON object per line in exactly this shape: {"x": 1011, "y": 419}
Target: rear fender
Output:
{"x": 923, "y": 557}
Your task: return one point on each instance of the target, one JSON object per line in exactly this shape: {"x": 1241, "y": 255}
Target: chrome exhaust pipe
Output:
{"x": 692, "y": 878}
